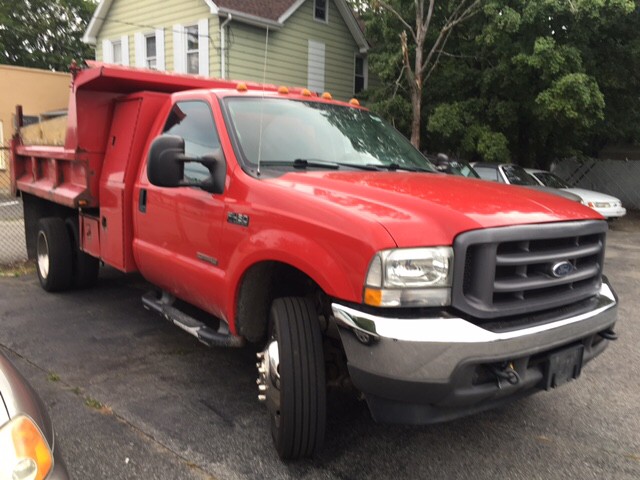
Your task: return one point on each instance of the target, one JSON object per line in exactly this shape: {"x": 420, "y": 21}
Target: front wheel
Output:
{"x": 292, "y": 378}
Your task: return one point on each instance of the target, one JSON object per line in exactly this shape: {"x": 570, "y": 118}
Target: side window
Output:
{"x": 487, "y": 173}
{"x": 193, "y": 121}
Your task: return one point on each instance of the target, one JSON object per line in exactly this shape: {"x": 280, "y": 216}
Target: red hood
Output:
{"x": 431, "y": 209}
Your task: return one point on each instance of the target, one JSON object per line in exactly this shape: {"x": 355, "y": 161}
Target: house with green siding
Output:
{"x": 317, "y": 44}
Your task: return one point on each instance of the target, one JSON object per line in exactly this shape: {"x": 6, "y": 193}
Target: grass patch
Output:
{"x": 53, "y": 377}
{"x": 77, "y": 390}
{"x": 93, "y": 403}
{"x": 18, "y": 269}
{"x": 96, "y": 405}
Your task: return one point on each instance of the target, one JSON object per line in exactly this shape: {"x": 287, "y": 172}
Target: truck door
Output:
{"x": 178, "y": 230}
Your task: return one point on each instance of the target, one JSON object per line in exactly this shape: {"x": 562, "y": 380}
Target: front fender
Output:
{"x": 339, "y": 272}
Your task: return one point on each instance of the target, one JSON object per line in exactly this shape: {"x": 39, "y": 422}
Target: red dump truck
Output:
{"x": 312, "y": 229}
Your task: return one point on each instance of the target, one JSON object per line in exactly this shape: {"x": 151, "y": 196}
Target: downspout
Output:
{"x": 223, "y": 47}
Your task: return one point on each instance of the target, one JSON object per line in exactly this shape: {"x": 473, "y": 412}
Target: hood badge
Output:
{"x": 207, "y": 258}
{"x": 562, "y": 269}
{"x": 238, "y": 219}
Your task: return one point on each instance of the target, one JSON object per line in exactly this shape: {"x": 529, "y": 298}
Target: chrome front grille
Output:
{"x": 525, "y": 269}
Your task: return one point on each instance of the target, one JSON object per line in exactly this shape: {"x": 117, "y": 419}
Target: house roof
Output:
{"x": 268, "y": 9}
{"x": 262, "y": 13}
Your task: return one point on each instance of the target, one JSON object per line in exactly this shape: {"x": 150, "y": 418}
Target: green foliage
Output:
{"x": 573, "y": 100}
{"x": 44, "y": 33}
{"x": 456, "y": 123}
{"x": 521, "y": 81}
{"x": 491, "y": 146}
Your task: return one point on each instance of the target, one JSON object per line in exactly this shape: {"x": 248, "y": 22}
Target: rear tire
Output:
{"x": 85, "y": 267}
{"x": 297, "y": 397}
{"x": 53, "y": 254}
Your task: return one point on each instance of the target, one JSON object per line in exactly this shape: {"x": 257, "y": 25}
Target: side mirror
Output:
{"x": 165, "y": 164}
{"x": 217, "y": 165}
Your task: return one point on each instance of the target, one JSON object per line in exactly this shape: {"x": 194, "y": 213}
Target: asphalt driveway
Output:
{"x": 133, "y": 397}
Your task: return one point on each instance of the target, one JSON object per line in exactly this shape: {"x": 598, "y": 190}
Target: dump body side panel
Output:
{"x": 132, "y": 120}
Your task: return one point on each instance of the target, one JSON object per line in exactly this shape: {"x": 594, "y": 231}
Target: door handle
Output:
{"x": 142, "y": 200}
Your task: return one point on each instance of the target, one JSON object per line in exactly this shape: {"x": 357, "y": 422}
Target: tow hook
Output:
{"x": 506, "y": 372}
{"x": 608, "y": 334}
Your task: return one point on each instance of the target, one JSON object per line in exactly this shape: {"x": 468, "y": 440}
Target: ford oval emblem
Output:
{"x": 562, "y": 269}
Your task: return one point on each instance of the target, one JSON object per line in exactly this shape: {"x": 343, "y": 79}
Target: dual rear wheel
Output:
{"x": 59, "y": 261}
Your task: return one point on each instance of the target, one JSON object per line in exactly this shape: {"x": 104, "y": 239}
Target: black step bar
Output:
{"x": 207, "y": 335}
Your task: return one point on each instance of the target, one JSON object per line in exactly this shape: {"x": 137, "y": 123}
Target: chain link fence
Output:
{"x": 620, "y": 178}
{"x": 12, "y": 243}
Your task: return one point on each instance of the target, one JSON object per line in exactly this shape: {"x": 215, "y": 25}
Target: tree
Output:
{"x": 429, "y": 29}
{"x": 535, "y": 82}
{"x": 522, "y": 81}
{"x": 44, "y": 33}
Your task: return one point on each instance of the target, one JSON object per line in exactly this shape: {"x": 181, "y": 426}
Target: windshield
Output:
{"x": 460, "y": 167}
{"x": 516, "y": 175}
{"x": 551, "y": 180}
{"x": 295, "y": 133}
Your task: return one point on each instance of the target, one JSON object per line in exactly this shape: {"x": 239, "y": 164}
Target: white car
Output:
{"x": 512, "y": 174}
{"x": 605, "y": 205}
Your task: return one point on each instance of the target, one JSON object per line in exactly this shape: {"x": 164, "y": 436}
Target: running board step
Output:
{"x": 204, "y": 333}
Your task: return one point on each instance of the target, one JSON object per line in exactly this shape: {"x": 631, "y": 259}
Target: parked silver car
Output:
{"x": 512, "y": 174}
{"x": 27, "y": 441}
{"x": 606, "y": 205}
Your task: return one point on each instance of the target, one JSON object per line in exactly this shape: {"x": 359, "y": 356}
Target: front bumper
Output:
{"x": 435, "y": 368}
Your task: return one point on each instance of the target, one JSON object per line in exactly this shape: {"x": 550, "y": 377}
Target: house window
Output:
{"x": 117, "y": 52}
{"x": 360, "y": 79}
{"x": 320, "y": 10}
{"x": 150, "y": 52}
{"x": 193, "y": 54}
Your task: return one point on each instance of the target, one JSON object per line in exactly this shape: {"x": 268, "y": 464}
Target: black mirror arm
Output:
{"x": 206, "y": 185}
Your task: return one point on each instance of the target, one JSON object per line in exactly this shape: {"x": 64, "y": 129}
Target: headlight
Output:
{"x": 599, "y": 204}
{"x": 410, "y": 277}
{"x": 24, "y": 453}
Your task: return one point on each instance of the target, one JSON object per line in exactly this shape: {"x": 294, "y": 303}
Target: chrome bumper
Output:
{"x": 429, "y": 350}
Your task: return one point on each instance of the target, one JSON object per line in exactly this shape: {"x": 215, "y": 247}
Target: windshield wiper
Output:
{"x": 304, "y": 163}
{"x": 392, "y": 167}
{"x": 301, "y": 163}
{"x": 359, "y": 166}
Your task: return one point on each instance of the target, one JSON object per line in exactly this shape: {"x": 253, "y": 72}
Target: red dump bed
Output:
{"x": 70, "y": 175}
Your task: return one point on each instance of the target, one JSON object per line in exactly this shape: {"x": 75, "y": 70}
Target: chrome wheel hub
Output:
{"x": 42, "y": 249}
{"x": 269, "y": 377}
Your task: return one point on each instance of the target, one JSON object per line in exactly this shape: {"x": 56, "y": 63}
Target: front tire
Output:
{"x": 293, "y": 378}
{"x": 54, "y": 259}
